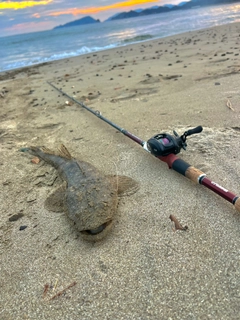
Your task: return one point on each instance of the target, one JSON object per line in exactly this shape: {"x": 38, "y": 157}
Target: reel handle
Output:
{"x": 193, "y": 131}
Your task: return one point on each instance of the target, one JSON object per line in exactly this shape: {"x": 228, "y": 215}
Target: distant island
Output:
{"x": 79, "y": 22}
{"x": 169, "y": 7}
{"x": 153, "y": 10}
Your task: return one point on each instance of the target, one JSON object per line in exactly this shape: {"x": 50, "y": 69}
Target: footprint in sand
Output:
{"x": 150, "y": 79}
{"x": 51, "y": 125}
{"x": 133, "y": 93}
{"x": 213, "y": 140}
{"x": 155, "y": 79}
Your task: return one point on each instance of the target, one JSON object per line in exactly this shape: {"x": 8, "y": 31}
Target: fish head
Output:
{"x": 92, "y": 211}
{"x": 98, "y": 233}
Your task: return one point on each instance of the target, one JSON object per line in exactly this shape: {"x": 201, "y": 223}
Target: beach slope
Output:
{"x": 143, "y": 269}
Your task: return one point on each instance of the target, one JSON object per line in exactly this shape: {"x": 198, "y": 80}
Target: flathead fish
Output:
{"x": 90, "y": 197}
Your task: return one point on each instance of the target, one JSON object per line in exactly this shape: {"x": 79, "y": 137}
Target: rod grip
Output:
{"x": 237, "y": 205}
{"x": 193, "y": 174}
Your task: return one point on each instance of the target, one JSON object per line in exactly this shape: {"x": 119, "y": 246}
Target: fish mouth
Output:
{"x": 97, "y": 230}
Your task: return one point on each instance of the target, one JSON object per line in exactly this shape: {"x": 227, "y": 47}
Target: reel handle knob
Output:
{"x": 194, "y": 130}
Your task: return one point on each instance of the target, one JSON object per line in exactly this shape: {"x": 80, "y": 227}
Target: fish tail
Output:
{"x": 47, "y": 155}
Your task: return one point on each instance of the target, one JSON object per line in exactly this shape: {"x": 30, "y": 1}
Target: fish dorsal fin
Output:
{"x": 48, "y": 151}
{"x": 63, "y": 152}
{"x": 124, "y": 185}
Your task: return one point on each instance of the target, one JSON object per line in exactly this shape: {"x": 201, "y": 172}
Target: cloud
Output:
{"x": 22, "y": 27}
{"x": 39, "y": 15}
{"x": 92, "y": 10}
{"x": 22, "y": 4}
{"x": 36, "y": 15}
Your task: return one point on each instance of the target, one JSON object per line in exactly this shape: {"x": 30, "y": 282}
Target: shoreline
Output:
{"x": 169, "y": 67}
{"x": 117, "y": 47}
{"x": 142, "y": 269}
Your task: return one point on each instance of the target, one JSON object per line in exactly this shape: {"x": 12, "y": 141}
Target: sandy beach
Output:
{"x": 143, "y": 269}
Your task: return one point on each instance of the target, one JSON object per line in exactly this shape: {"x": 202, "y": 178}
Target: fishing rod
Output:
{"x": 165, "y": 147}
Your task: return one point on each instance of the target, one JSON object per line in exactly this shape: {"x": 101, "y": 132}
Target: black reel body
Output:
{"x": 163, "y": 144}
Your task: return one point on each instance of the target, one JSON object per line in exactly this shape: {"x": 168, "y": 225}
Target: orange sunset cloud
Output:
{"x": 36, "y": 15}
{"x": 91, "y": 10}
{"x": 22, "y": 4}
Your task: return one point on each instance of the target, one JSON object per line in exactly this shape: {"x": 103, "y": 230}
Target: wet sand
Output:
{"x": 143, "y": 269}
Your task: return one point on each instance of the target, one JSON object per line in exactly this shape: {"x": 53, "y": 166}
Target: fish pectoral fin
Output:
{"x": 124, "y": 185}
{"x": 56, "y": 200}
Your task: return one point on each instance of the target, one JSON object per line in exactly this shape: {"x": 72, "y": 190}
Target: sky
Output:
{"x": 18, "y": 17}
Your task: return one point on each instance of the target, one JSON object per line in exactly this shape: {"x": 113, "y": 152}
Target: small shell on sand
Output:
{"x": 35, "y": 160}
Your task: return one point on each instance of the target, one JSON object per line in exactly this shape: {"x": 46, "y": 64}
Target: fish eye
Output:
{"x": 97, "y": 230}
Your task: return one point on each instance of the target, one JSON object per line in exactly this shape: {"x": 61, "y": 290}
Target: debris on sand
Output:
{"x": 229, "y": 105}
{"x": 177, "y": 224}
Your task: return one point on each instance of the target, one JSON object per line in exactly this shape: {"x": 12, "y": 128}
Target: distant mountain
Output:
{"x": 82, "y": 21}
{"x": 183, "y": 3}
{"x": 152, "y": 10}
{"x": 169, "y": 7}
{"x": 111, "y": 18}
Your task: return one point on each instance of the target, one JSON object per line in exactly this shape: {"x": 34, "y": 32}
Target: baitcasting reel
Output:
{"x": 163, "y": 144}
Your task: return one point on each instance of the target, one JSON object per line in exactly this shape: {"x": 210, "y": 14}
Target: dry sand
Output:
{"x": 143, "y": 269}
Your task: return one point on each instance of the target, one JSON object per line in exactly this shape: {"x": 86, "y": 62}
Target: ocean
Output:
{"x": 38, "y": 47}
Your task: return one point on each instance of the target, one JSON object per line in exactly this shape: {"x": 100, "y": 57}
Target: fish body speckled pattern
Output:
{"x": 90, "y": 198}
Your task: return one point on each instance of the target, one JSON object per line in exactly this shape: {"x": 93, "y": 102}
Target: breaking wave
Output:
{"x": 142, "y": 37}
{"x": 58, "y": 56}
